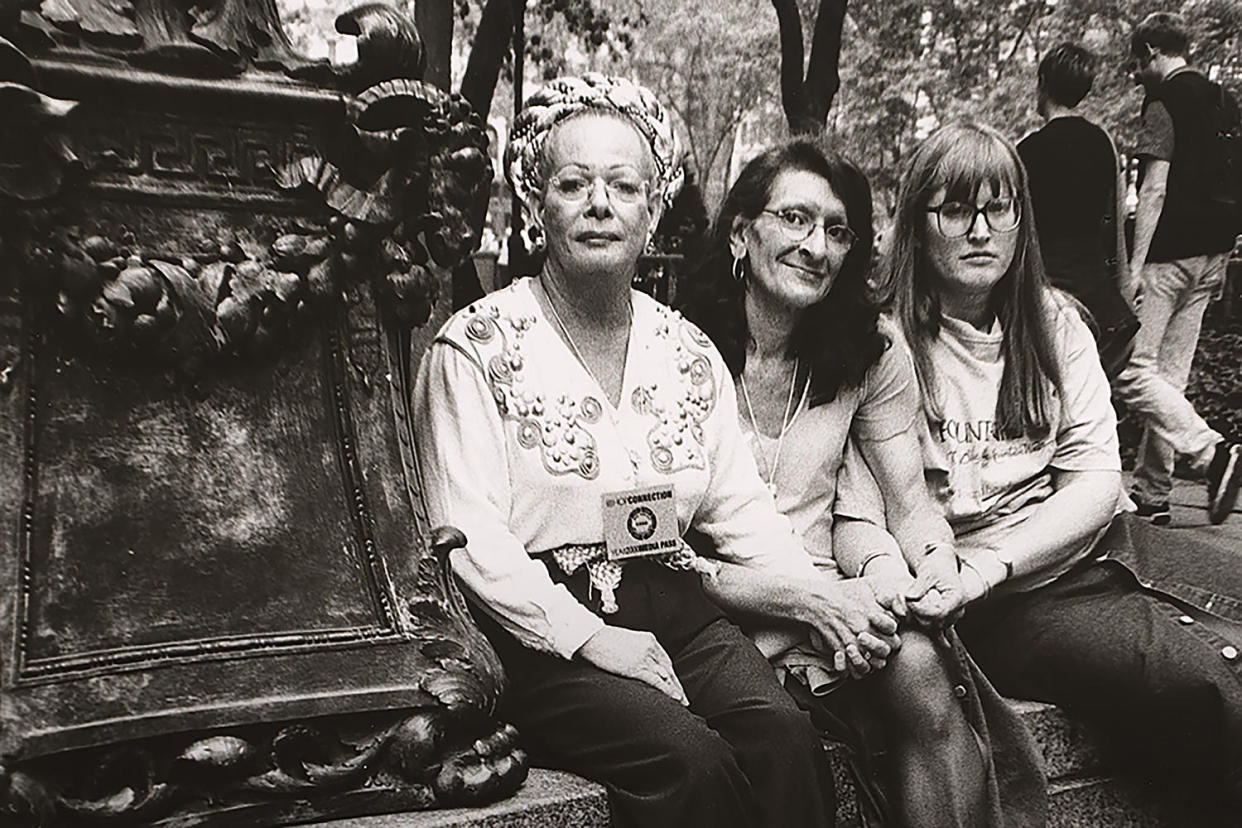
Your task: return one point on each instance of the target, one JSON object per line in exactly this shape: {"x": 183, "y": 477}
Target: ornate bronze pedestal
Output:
{"x": 220, "y": 600}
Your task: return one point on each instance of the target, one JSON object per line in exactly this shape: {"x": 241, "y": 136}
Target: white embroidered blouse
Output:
{"x": 518, "y": 444}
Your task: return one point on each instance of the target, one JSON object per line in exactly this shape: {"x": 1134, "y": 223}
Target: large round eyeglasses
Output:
{"x": 797, "y": 226}
{"x": 576, "y": 186}
{"x": 955, "y": 218}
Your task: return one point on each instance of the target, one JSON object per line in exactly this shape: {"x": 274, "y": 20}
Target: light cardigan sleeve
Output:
{"x": 461, "y": 445}
{"x": 737, "y": 511}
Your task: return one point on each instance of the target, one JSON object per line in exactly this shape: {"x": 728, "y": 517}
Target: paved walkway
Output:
{"x": 1189, "y": 506}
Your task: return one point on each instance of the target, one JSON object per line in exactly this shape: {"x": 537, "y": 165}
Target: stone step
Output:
{"x": 1080, "y": 791}
{"x": 548, "y": 799}
{"x": 1068, "y": 748}
{"x": 1103, "y": 802}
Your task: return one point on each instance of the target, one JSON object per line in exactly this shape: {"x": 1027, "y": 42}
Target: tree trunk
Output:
{"x": 822, "y": 76}
{"x": 793, "y": 89}
{"x": 487, "y": 53}
{"x": 806, "y": 98}
{"x": 434, "y": 21}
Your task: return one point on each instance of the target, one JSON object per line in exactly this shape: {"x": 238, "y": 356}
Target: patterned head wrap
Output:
{"x": 565, "y": 97}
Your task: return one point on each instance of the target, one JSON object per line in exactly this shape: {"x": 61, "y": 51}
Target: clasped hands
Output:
{"x": 856, "y": 620}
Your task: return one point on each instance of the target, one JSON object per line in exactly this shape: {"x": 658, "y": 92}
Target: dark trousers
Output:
{"x": 743, "y": 754}
{"x": 1156, "y": 677}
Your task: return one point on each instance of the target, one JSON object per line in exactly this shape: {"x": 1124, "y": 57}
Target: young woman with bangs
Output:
{"x": 1020, "y": 451}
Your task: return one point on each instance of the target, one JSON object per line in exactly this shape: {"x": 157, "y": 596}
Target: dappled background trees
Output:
{"x": 903, "y": 65}
{"x": 872, "y": 76}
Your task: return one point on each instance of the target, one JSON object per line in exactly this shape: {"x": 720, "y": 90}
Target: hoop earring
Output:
{"x": 533, "y": 235}
{"x": 739, "y": 269}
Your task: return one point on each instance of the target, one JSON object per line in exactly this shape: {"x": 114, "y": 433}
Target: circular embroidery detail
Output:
{"x": 641, "y": 400}
{"x": 480, "y": 329}
{"x": 528, "y": 434}
{"x": 697, "y": 336}
{"x": 591, "y": 410}
{"x": 700, "y": 371}
{"x": 662, "y": 459}
{"x": 588, "y": 467}
{"x": 499, "y": 371}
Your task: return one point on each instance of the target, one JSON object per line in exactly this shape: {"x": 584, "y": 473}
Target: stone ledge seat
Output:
{"x": 1081, "y": 791}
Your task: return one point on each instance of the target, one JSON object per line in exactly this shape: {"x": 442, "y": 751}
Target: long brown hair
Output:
{"x": 960, "y": 158}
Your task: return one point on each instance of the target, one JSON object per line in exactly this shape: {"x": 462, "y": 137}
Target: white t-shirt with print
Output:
{"x": 987, "y": 483}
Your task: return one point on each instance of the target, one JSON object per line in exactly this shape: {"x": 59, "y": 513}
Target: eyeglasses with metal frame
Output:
{"x": 798, "y": 226}
{"x": 576, "y": 186}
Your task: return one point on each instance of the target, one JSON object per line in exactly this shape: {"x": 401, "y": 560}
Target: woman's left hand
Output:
{"x": 891, "y": 581}
{"x": 936, "y": 598}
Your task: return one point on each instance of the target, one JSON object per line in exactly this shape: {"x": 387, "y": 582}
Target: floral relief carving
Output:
{"x": 229, "y": 295}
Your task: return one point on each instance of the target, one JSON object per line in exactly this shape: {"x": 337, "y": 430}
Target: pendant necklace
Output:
{"x": 786, "y": 422}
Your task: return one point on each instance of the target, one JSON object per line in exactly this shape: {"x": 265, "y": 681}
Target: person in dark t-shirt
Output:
{"x": 1181, "y": 246}
{"x": 1075, "y": 190}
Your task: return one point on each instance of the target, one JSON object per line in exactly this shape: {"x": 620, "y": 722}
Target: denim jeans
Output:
{"x": 1175, "y": 296}
{"x": 1144, "y": 645}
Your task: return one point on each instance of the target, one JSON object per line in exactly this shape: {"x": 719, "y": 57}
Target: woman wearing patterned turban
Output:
{"x": 574, "y": 429}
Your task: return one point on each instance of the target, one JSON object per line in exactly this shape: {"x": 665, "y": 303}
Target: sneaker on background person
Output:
{"x": 1183, "y": 235}
{"x": 1224, "y": 477}
{"x": 1157, "y": 513}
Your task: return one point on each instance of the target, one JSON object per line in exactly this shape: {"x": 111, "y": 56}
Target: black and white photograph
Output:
{"x": 621, "y": 413}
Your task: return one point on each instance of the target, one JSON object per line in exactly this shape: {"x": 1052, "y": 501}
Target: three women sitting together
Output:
{"x": 698, "y": 542}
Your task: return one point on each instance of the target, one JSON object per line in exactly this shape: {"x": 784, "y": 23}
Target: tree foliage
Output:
{"x": 904, "y": 65}
{"x": 712, "y": 64}
{"x": 907, "y": 65}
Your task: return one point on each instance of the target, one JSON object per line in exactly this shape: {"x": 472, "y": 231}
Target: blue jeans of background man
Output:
{"x": 1175, "y": 296}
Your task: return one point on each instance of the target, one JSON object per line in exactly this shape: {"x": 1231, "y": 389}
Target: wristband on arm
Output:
{"x": 862, "y": 569}
{"x": 987, "y": 587}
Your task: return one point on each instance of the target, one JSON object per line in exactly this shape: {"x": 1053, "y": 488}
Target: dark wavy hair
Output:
{"x": 1166, "y": 31}
{"x": 837, "y": 336}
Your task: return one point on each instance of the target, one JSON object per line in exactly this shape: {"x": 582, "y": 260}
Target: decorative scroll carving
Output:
{"x": 34, "y": 155}
{"x": 408, "y": 182}
{"x": 145, "y": 781}
{"x": 207, "y": 38}
{"x": 412, "y": 174}
{"x": 388, "y": 47}
{"x": 204, "y": 300}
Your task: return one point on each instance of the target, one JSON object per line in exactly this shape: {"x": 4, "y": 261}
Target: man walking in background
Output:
{"x": 1076, "y": 189}
{"x": 1182, "y": 240}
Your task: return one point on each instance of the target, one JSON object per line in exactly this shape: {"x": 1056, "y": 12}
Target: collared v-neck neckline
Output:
{"x": 559, "y": 332}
